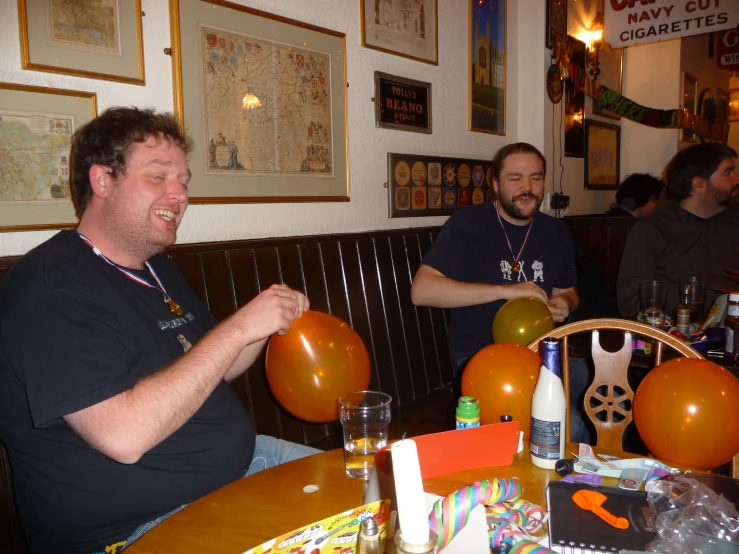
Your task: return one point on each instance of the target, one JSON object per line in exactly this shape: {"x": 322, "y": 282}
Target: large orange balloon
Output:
{"x": 522, "y": 321}
{"x": 318, "y": 360}
{"x": 502, "y": 378}
{"x": 685, "y": 411}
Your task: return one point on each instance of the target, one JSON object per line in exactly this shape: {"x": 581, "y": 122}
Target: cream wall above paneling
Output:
{"x": 368, "y": 146}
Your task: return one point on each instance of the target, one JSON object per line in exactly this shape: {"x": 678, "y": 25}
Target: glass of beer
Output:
{"x": 365, "y": 416}
{"x": 652, "y": 302}
{"x": 692, "y": 295}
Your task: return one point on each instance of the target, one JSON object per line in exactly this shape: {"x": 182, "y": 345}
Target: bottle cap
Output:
{"x": 369, "y": 527}
{"x": 467, "y": 408}
{"x": 506, "y": 418}
{"x": 734, "y": 297}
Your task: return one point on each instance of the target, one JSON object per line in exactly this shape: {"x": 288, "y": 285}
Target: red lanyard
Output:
{"x": 516, "y": 263}
{"x": 173, "y": 306}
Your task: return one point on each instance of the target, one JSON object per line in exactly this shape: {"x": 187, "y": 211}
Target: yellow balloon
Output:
{"x": 522, "y": 321}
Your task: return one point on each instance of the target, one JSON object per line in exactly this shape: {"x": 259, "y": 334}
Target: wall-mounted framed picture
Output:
{"x": 408, "y": 28}
{"x": 487, "y": 59}
{"x": 556, "y": 21}
{"x": 100, "y": 39}
{"x": 734, "y": 104}
{"x": 611, "y": 76}
{"x": 689, "y": 101}
{"x": 574, "y": 103}
{"x": 36, "y": 127}
{"x": 264, "y": 99}
{"x": 420, "y": 186}
{"x": 722, "y": 106}
{"x": 602, "y": 155}
{"x": 402, "y": 104}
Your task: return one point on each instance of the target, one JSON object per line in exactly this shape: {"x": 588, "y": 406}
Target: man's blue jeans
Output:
{"x": 268, "y": 452}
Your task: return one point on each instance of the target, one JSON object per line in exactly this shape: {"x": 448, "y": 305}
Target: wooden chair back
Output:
{"x": 609, "y": 399}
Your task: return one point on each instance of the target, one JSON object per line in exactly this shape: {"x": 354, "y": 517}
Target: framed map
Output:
{"x": 36, "y": 126}
{"x": 407, "y": 28}
{"x": 264, "y": 99}
{"x": 101, "y": 39}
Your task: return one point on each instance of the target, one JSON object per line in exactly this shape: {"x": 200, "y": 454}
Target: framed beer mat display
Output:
{"x": 602, "y": 155}
{"x": 402, "y": 104}
{"x": 420, "y": 186}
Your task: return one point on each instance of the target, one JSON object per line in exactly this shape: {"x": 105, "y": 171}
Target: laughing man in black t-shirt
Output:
{"x": 494, "y": 252}
{"x": 115, "y": 406}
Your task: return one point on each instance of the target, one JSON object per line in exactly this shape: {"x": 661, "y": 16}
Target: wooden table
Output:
{"x": 252, "y": 510}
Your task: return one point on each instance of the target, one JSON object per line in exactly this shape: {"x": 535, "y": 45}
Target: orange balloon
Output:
{"x": 318, "y": 360}
{"x": 685, "y": 411}
{"x": 502, "y": 378}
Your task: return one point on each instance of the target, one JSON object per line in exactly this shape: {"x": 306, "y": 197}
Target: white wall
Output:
{"x": 651, "y": 78}
{"x": 368, "y": 146}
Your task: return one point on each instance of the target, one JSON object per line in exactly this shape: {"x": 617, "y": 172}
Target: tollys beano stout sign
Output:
{"x": 402, "y": 104}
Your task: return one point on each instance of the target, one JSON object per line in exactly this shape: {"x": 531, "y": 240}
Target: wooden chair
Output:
{"x": 609, "y": 399}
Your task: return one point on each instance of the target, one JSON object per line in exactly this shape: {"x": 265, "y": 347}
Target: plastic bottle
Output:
{"x": 548, "y": 409}
{"x": 468, "y": 413}
{"x": 731, "y": 351}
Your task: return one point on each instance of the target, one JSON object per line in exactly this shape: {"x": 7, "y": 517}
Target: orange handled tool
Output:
{"x": 593, "y": 501}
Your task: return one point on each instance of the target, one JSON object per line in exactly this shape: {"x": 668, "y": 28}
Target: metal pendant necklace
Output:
{"x": 174, "y": 307}
{"x": 516, "y": 264}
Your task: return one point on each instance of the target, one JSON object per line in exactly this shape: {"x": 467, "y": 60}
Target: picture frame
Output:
{"x": 611, "y": 75}
{"x": 487, "y": 63}
{"x": 734, "y": 105}
{"x": 722, "y": 106}
{"x": 36, "y": 127}
{"x": 402, "y": 104}
{"x": 389, "y": 27}
{"x": 574, "y": 103}
{"x": 112, "y": 50}
{"x": 689, "y": 101}
{"x": 422, "y": 186}
{"x": 556, "y": 21}
{"x": 252, "y": 142}
{"x": 602, "y": 155}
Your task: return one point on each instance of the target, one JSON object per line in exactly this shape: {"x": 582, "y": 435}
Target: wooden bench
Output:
{"x": 362, "y": 278}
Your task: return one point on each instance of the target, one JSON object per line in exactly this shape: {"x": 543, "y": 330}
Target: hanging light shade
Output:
{"x": 250, "y": 102}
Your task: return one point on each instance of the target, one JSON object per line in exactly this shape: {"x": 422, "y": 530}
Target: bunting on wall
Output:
{"x": 652, "y": 117}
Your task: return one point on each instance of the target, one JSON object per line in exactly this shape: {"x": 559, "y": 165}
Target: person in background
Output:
{"x": 637, "y": 196}
{"x": 115, "y": 407}
{"x": 696, "y": 235}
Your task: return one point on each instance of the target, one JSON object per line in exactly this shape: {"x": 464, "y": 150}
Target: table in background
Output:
{"x": 255, "y": 509}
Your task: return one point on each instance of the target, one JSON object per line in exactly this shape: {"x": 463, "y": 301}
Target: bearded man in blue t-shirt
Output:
{"x": 494, "y": 252}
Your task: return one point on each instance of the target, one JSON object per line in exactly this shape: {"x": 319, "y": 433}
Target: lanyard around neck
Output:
{"x": 174, "y": 307}
{"x": 516, "y": 263}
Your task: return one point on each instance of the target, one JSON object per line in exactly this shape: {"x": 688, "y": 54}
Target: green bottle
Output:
{"x": 468, "y": 413}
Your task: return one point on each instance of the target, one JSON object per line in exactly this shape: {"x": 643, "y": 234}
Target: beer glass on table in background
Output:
{"x": 692, "y": 295}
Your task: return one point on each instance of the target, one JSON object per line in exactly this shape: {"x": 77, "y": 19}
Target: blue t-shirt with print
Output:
{"x": 472, "y": 248}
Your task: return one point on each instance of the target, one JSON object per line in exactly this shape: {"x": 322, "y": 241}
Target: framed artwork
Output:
{"x": 100, "y": 39}
{"x": 408, "y": 28}
{"x": 36, "y": 127}
{"x": 602, "y": 155}
{"x": 264, "y": 99}
{"x": 722, "y": 106}
{"x": 611, "y": 76}
{"x": 574, "y": 103}
{"x": 487, "y": 77}
{"x": 556, "y": 21}
{"x": 402, "y": 104}
{"x": 734, "y": 104}
{"x": 421, "y": 186}
{"x": 689, "y": 97}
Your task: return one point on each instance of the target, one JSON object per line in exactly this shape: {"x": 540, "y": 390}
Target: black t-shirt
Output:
{"x": 472, "y": 248}
{"x": 75, "y": 331}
